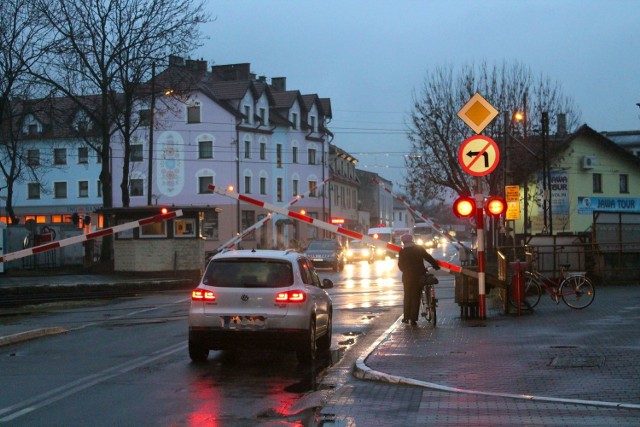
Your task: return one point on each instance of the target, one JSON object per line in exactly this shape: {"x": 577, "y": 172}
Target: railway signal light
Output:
{"x": 464, "y": 207}
{"x": 495, "y": 206}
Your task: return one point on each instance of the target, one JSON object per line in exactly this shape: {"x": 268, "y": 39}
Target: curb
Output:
{"x": 364, "y": 372}
{"x": 30, "y": 335}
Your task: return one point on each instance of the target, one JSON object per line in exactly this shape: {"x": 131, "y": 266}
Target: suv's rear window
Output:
{"x": 248, "y": 273}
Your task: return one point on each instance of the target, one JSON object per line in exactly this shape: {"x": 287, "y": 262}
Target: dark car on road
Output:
{"x": 326, "y": 254}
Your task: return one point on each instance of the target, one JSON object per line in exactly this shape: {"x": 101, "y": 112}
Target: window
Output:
{"x": 279, "y": 189}
{"x": 295, "y": 187}
{"x": 312, "y": 122}
{"x": 99, "y": 188}
{"x": 278, "y": 155}
{"x": 144, "y": 117}
{"x": 263, "y": 185}
{"x": 135, "y": 155}
{"x": 597, "y": 183}
{"x": 33, "y": 157}
{"x": 83, "y": 155}
{"x": 263, "y": 115}
{"x": 83, "y": 189}
{"x": 294, "y": 154}
{"x": 247, "y": 114}
{"x": 312, "y": 156}
{"x": 60, "y": 190}
{"x": 294, "y": 120}
{"x": 184, "y": 227}
{"x": 248, "y": 219}
{"x": 59, "y": 156}
{"x": 263, "y": 151}
{"x": 205, "y": 150}
{"x": 203, "y": 184}
{"x": 209, "y": 224}
{"x": 193, "y": 114}
{"x": 313, "y": 185}
{"x": 33, "y": 190}
{"x": 98, "y": 157}
{"x": 247, "y": 185}
{"x": 247, "y": 149}
{"x": 156, "y": 229}
{"x": 136, "y": 187}
{"x": 624, "y": 183}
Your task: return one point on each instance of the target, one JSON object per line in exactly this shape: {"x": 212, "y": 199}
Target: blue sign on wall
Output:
{"x": 587, "y": 205}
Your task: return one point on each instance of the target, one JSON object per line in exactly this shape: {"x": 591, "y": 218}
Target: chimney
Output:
{"x": 279, "y": 83}
{"x": 197, "y": 65}
{"x": 175, "y": 60}
{"x": 562, "y": 125}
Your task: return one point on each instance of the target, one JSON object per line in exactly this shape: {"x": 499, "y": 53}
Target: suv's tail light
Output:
{"x": 291, "y": 296}
{"x": 199, "y": 294}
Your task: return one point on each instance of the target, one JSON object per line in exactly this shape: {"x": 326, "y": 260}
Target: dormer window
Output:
{"x": 263, "y": 115}
{"x": 82, "y": 123}
{"x": 247, "y": 114}
{"x": 294, "y": 120}
{"x": 31, "y": 125}
{"x": 312, "y": 123}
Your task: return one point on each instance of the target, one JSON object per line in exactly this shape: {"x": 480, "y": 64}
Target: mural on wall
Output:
{"x": 170, "y": 163}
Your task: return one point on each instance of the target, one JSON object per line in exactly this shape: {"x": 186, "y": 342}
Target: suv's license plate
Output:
{"x": 245, "y": 322}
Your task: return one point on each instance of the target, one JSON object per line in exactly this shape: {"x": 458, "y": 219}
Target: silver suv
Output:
{"x": 265, "y": 298}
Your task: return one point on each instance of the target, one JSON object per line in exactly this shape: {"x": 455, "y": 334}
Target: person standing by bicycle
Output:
{"x": 411, "y": 262}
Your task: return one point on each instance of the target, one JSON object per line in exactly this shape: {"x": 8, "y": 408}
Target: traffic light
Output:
{"x": 495, "y": 206}
{"x": 464, "y": 207}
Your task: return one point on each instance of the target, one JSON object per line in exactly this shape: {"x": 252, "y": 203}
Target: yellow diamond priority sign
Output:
{"x": 477, "y": 113}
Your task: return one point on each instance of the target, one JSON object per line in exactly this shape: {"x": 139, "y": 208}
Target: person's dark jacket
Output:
{"x": 410, "y": 262}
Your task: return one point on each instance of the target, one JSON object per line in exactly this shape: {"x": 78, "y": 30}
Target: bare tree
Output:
{"x": 436, "y": 132}
{"x": 107, "y": 48}
{"x": 21, "y": 33}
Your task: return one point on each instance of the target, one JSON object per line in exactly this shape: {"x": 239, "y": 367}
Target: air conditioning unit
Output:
{"x": 588, "y": 162}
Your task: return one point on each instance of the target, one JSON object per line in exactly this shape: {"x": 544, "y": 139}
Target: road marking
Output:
{"x": 40, "y": 401}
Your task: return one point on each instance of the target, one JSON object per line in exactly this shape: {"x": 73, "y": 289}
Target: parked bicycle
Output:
{"x": 574, "y": 288}
{"x": 428, "y": 300}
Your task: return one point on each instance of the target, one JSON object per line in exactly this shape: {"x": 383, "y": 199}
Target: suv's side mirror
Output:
{"x": 327, "y": 284}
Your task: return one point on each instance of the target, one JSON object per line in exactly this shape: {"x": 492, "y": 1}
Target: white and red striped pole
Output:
{"x": 429, "y": 221}
{"x": 482, "y": 306}
{"x": 89, "y": 236}
{"x": 233, "y": 241}
{"x": 321, "y": 224}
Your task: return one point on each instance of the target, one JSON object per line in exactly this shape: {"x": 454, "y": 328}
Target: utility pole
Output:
{"x": 151, "y": 114}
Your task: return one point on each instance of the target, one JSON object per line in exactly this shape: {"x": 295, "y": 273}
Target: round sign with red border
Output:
{"x": 479, "y": 155}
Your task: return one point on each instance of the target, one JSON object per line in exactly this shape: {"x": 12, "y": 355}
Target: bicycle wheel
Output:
{"x": 532, "y": 292}
{"x": 433, "y": 303}
{"x": 424, "y": 306}
{"x": 577, "y": 292}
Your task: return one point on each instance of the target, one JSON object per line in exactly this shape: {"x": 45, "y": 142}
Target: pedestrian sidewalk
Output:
{"x": 555, "y": 354}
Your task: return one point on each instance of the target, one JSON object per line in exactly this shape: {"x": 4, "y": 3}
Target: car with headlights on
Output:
{"x": 360, "y": 251}
{"x": 260, "y": 298}
{"x": 328, "y": 253}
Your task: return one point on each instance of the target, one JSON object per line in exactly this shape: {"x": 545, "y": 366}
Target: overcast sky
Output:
{"x": 370, "y": 56}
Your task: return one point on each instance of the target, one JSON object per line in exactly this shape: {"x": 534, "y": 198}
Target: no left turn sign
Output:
{"x": 479, "y": 155}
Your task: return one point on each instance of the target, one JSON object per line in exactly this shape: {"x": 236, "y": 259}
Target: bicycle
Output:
{"x": 574, "y": 288}
{"x": 428, "y": 300}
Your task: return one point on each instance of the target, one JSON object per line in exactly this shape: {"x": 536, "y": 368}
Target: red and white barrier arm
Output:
{"x": 233, "y": 241}
{"x": 429, "y": 221}
{"x": 321, "y": 224}
{"x": 89, "y": 236}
